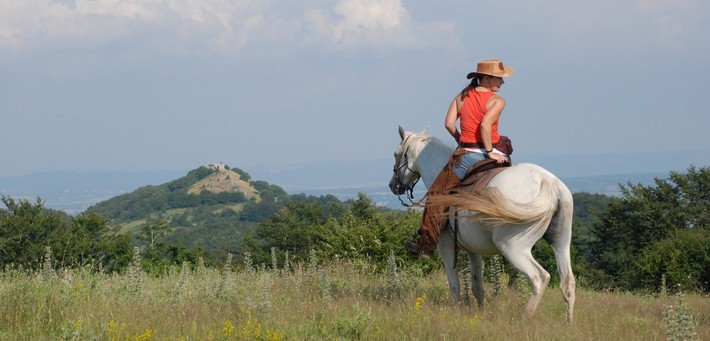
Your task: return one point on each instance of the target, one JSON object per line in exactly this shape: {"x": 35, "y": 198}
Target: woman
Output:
{"x": 478, "y": 108}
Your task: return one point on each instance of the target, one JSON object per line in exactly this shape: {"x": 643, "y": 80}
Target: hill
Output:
{"x": 211, "y": 207}
{"x": 224, "y": 180}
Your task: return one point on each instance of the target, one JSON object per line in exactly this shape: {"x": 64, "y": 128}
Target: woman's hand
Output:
{"x": 498, "y": 157}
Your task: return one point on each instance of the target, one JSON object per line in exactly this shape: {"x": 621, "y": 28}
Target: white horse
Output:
{"x": 519, "y": 206}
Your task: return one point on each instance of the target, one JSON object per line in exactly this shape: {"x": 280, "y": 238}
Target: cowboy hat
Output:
{"x": 492, "y": 67}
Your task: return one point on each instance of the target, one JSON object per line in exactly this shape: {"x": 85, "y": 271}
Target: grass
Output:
{"x": 342, "y": 300}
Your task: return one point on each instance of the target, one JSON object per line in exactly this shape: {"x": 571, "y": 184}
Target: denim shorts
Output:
{"x": 468, "y": 160}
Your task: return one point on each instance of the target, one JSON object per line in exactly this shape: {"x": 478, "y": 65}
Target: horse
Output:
{"x": 519, "y": 206}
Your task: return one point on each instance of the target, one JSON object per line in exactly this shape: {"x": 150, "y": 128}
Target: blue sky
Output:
{"x": 174, "y": 84}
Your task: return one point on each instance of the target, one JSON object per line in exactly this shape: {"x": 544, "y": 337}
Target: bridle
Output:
{"x": 398, "y": 167}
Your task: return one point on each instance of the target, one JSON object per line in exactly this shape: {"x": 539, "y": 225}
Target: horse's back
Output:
{"x": 522, "y": 182}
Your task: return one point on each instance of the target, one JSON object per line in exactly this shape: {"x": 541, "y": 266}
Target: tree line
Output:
{"x": 646, "y": 236}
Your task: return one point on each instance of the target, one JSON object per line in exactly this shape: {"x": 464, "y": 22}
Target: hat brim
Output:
{"x": 507, "y": 72}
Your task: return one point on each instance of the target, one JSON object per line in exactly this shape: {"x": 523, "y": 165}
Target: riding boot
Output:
{"x": 416, "y": 247}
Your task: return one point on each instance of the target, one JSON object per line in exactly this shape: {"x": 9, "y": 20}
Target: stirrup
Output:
{"x": 414, "y": 244}
{"x": 415, "y": 247}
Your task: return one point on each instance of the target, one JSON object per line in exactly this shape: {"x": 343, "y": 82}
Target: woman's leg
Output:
{"x": 467, "y": 160}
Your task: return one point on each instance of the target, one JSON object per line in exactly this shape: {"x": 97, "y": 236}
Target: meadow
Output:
{"x": 333, "y": 300}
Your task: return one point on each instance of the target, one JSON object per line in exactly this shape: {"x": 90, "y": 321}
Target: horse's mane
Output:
{"x": 418, "y": 138}
{"x": 415, "y": 139}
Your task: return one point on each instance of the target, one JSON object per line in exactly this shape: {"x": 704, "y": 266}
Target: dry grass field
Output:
{"x": 341, "y": 300}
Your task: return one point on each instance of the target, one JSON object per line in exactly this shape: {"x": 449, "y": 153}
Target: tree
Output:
{"x": 363, "y": 207}
{"x": 296, "y": 228}
{"x": 151, "y": 231}
{"x": 84, "y": 241}
{"x": 356, "y": 229}
{"x": 644, "y": 216}
{"x": 26, "y": 229}
{"x": 682, "y": 259}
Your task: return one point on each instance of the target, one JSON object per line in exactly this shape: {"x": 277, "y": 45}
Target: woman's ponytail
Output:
{"x": 473, "y": 85}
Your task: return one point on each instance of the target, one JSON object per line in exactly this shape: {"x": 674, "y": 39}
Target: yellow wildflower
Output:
{"x": 112, "y": 330}
{"x": 148, "y": 335}
{"x": 228, "y": 328}
{"x": 474, "y": 321}
{"x": 251, "y": 330}
{"x": 272, "y": 335}
{"x": 418, "y": 304}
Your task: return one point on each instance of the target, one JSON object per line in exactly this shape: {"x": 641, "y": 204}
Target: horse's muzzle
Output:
{"x": 396, "y": 188}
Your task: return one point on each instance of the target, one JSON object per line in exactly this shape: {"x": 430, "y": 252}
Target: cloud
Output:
{"x": 365, "y": 21}
{"x": 223, "y": 24}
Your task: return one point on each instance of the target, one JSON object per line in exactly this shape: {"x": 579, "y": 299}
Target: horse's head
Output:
{"x": 405, "y": 173}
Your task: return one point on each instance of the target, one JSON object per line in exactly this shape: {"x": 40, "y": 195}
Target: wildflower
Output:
{"x": 272, "y": 335}
{"x": 228, "y": 328}
{"x": 112, "y": 330}
{"x": 148, "y": 335}
{"x": 474, "y": 321}
{"x": 251, "y": 330}
{"x": 394, "y": 286}
{"x": 419, "y": 303}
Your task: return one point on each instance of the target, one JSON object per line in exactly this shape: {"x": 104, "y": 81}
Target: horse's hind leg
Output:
{"x": 476, "y": 264}
{"x": 447, "y": 251}
{"x": 567, "y": 282}
{"x": 522, "y": 259}
{"x": 559, "y": 235}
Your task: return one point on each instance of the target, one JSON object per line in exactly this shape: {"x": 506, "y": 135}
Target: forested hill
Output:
{"x": 213, "y": 185}
{"x": 212, "y": 207}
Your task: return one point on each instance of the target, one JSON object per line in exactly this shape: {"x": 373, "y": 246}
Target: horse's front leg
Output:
{"x": 447, "y": 250}
{"x": 476, "y": 264}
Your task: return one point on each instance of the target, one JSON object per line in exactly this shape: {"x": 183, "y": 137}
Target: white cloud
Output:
{"x": 355, "y": 23}
{"x": 371, "y": 13}
{"x": 227, "y": 24}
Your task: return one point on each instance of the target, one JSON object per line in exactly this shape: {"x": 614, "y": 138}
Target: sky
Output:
{"x": 134, "y": 85}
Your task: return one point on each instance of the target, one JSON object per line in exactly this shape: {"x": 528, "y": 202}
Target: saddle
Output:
{"x": 434, "y": 217}
{"x": 480, "y": 174}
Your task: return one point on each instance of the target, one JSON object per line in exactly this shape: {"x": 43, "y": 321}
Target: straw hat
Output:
{"x": 492, "y": 67}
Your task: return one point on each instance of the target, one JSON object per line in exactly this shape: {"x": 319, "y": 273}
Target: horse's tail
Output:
{"x": 489, "y": 205}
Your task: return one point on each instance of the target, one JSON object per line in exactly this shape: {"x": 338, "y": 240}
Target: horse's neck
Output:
{"x": 431, "y": 160}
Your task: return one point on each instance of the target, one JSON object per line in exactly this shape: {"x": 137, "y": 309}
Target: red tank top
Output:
{"x": 471, "y": 114}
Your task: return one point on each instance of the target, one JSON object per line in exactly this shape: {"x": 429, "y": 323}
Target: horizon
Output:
{"x": 74, "y": 191}
{"x": 689, "y": 157}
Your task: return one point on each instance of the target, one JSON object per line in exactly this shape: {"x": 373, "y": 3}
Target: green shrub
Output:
{"x": 682, "y": 258}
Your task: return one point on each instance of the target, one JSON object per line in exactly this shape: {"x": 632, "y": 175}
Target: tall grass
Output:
{"x": 342, "y": 299}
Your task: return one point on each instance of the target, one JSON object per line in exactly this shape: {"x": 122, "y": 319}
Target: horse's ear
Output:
{"x": 401, "y": 132}
{"x": 424, "y": 132}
